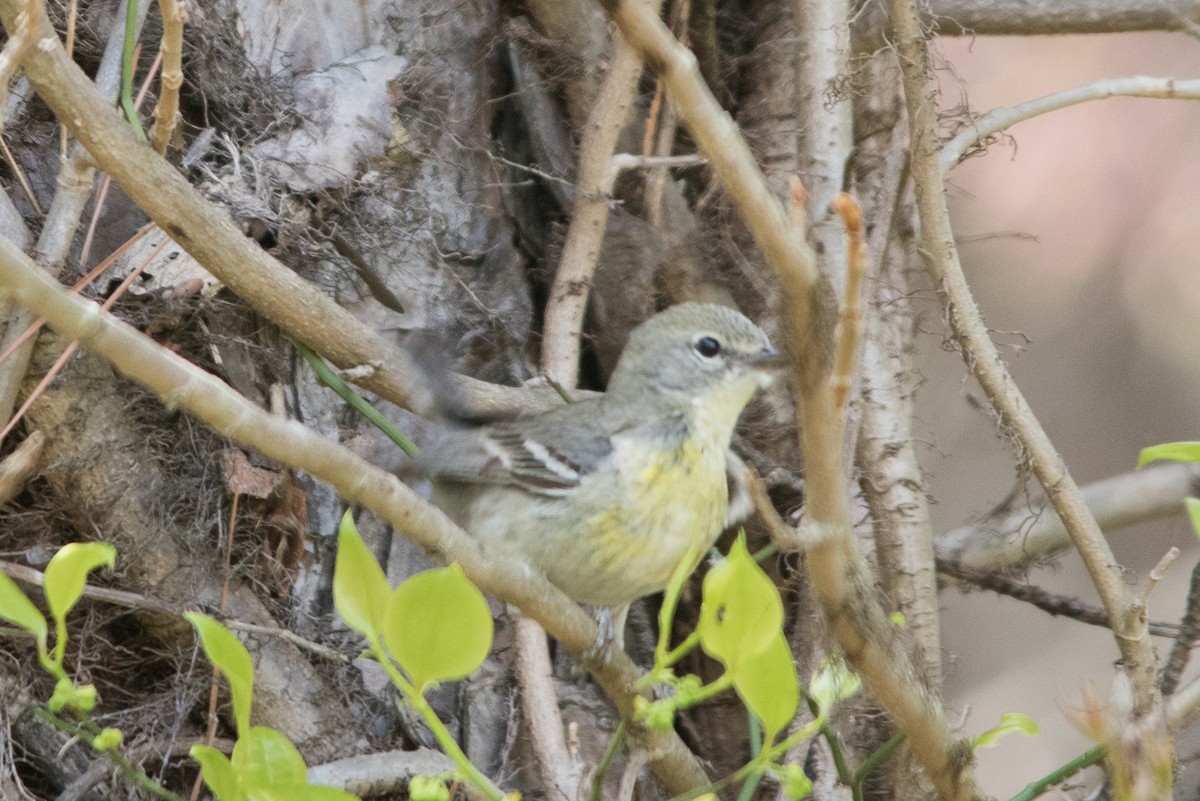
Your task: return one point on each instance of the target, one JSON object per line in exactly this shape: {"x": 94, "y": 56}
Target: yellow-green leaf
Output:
{"x": 438, "y": 626}
{"x": 1010, "y": 723}
{"x": 264, "y": 758}
{"x": 229, "y": 656}
{"x": 1193, "y": 509}
{"x": 1173, "y": 451}
{"x": 768, "y": 686}
{"x": 741, "y": 614}
{"x": 218, "y": 774}
{"x": 68, "y": 571}
{"x": 360, "y": 589}
{"x": 16, "y": 608}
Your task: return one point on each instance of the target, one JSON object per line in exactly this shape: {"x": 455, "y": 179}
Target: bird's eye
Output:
{"x": 707, "y": 347}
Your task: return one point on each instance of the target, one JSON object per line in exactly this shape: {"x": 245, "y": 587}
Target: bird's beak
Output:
{"x": 768, "y": 359}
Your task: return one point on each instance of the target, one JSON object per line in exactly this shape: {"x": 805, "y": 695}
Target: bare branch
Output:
{"x": 1034, "y": 18}
{"x": 1185, "y": 637}
{"x": 1023, "y": 537}
{"x": 167, "y": 110}
{"x": 1035, "y": 596}
{"x": 937, "y": 242}
{"x": 184, "y": 386}
{"x": 1000, "y": 119}
{"x": 589, "y": 219}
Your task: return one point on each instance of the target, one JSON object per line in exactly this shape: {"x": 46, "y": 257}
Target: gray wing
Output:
{"x": 548, "y": 454}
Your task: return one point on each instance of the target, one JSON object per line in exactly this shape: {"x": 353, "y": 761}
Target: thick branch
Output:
{"x": 184, "y": 386}
{"x": 937, "y": 242}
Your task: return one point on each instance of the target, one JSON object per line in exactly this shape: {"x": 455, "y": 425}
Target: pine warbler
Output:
{"x": 606, "y": 495}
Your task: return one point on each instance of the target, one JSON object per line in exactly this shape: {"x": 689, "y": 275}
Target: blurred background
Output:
{"x": 1082, "y": 234}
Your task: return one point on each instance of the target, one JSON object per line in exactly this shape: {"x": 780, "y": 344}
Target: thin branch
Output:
{"x": 589, "y": 218}
{"x": 167, "y": 109}
{"x": 133, "y": 600}
{"x": 628, "y": 161}
{"x": 1017, "y": 539}
{"x": 937, "y": 243}
{"x": 1033, "y": 18}
{"x": 184, "y": 386}
{"x": 1049, "y": 602}
{"x": 850, "y": 321}
{"x": 981, "y": 129}
{"x": 839, "y": 577}
{"x": 1185, "y": 638}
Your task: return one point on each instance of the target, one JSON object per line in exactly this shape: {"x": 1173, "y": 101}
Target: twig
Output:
{"x": 133, "y": 600}
{"x": 999, "y": 119}
{"x": 660, "y": 140}
{"x": 1048, "y": 602}
{"x": 937, "y": 242}
{"x": 850, "y": 321}
{"x": 167, "y": 110}
{"x": 1033, "y": 18}
{"x": 1185, "y": 638}
{"x": 589, "y": 218}
{"x": 628, "y": 161}
{"x": 184, "y": 386}
{"x": 1019, "y": 538}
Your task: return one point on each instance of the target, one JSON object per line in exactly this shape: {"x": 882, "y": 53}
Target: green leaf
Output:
{"x": 217, "y": 772}
{"x": 16, "y": 608}
{"x": 741, "y": 613}
{"x": 68, "y": 571}
{"x": 768, "y": 686}
{"x": 1010, "y": 723}
{"x": 229, "y": 656}
{"x": 264, "y": 758}
{"x": 1193, "y": 509}
{"x": 360, "y": 590}
{"x": 1174, "y": 451}
{"x": 438, "y": 626}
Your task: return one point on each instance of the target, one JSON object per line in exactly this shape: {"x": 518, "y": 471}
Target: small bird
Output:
{"x": 606, "y": 495}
